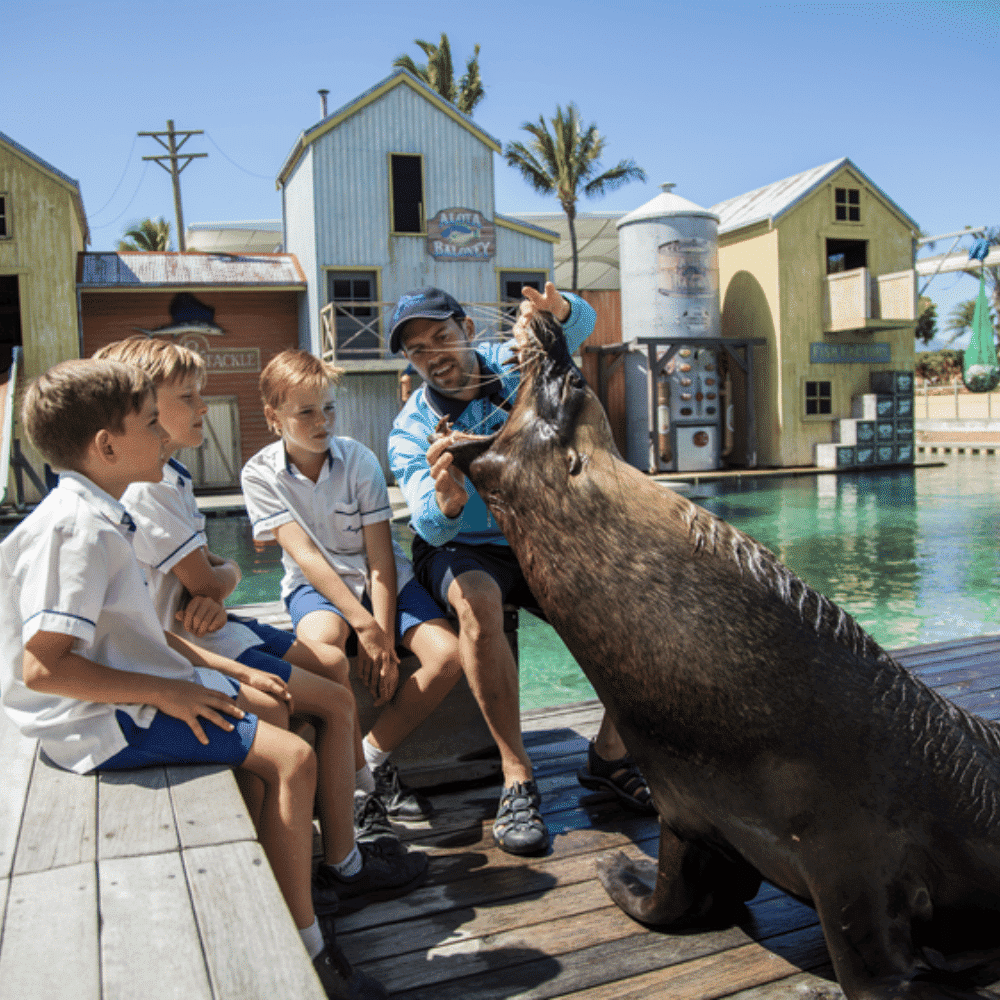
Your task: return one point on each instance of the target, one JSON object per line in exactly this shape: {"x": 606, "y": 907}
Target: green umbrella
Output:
{"x": 980, "y": 371}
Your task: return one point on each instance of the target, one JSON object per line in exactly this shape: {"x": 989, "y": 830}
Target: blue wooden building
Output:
{"x": 390, "y": 192}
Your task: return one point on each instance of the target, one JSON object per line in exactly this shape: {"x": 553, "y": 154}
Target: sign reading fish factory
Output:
{"x": 460, "y": 234}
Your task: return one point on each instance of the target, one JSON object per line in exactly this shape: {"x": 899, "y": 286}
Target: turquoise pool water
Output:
{"x": 913, "y": 554}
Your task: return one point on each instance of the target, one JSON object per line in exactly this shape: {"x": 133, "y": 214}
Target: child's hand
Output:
{"x": 378, "y": 665}
{"x": 270, "y": 684}
{"x": 202, "y": 615}
{"x": 188, "y": 702}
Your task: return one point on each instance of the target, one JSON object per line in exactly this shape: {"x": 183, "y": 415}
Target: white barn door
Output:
{"x": 217, "y": 462}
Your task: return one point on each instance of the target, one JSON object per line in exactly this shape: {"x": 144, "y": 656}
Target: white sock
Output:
{"x": 363, "y": 780}
{"x": 312, "y": 938}
{"x": 373, "y": 756}
{"x": 351, "y": 865}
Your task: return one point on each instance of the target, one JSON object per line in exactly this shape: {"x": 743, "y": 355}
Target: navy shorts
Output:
{"x": 437, "y": 567}
{"x": 413, "y": 607}
{"x": 170, "y": 741}
{"x": 269, "y": 655}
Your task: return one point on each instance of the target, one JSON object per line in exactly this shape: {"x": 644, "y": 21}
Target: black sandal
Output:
{"x": 622, "y": 777}
{"x": 519, "y": 827}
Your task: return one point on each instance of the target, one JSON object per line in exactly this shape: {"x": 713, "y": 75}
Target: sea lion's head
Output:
{"x": 556, "y": 420}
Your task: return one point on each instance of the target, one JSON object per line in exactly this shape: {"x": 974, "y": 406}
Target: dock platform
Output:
{"x": 485, "y": 926}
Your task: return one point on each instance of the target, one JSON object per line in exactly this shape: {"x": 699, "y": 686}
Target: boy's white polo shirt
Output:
{"x": 169, "y": 527}
{"x": 350, "y": 493}
{"x": 69, "y": 568}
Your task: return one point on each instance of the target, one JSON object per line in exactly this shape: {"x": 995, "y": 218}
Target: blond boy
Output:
{"x": 347, "y": 585}
{"x": 84, "y": 663}
{"x": 188, "y": 583}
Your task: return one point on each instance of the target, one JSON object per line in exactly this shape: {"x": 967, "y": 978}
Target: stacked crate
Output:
{"x": 880, "y": 429}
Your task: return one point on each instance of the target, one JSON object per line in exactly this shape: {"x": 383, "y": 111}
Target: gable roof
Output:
{"x": 769, "y": 203}
{"x": 139, "y": 269}
{"x": 57, "y": 175}
{"x": 400, "y": 77}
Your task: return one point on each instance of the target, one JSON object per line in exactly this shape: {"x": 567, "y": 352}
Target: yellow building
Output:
{"x": 42, "y": 229}
{"x": 821, "y": 265}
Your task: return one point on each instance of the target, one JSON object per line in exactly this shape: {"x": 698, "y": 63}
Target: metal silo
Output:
{"x": 669, "y": 262}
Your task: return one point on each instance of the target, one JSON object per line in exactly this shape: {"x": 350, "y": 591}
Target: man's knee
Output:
{"x": 478, "y": 604}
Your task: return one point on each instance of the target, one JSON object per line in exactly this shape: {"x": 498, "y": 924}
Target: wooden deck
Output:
{"x": 488, "y": 926}
{"x": 485, "y": 926}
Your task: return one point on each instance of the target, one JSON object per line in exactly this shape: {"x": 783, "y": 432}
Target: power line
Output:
{"x": 263, "y": 177}
{"x": 128, "y": 163}
{"x": 105, "y": 225}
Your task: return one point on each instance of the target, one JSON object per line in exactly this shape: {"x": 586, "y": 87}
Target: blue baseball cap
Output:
{"x": 424, "y": 303}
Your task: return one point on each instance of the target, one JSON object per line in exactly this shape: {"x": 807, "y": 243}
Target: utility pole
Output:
{"x": 172, "y": 146}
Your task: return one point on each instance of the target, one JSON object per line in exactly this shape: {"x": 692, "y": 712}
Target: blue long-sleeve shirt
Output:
{"x": 408, "y": 439}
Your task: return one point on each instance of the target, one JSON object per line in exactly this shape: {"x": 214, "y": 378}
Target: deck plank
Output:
{"x": 240, "y": 912}
{"x": 147, "y": 927}
{"x": 50, "y": 949}
{"x": 60, "y": 801}
{"x": 17, "y": 757}
{"x": 207, "y": 805}
{"x": 134, "y": 813}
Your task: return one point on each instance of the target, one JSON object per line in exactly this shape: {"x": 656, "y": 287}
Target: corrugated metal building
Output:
{"x": 394, "y": 191}
{"x": 236, "y": 310}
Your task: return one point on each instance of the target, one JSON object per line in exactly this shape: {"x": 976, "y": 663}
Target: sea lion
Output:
{"x": 778, "y": 739}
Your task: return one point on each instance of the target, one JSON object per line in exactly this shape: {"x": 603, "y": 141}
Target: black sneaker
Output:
{"x": 387, "y": 871}
{"x": 399, "y": 800}
{"x": 340, "y": 981}
{"x": 519, "y": 827}
{"x": 371, "y": 823}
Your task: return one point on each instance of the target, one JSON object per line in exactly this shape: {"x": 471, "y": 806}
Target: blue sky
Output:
{"x": 720, "y": 98}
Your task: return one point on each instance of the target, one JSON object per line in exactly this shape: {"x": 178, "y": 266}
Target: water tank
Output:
{"x": 668, "y": 250}
{"x": 669, "y": 260}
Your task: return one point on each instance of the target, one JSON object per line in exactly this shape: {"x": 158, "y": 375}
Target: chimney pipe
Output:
{"x": 322, "y": 98}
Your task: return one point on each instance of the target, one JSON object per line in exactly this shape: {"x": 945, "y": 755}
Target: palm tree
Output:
{"x": 147, "y": 235}
{"x": 438, "y": 73}
{"x": 565, "y": 161}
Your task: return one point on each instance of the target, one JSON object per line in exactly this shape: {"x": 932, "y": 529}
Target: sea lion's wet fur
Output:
{"x": 777, "y": 737}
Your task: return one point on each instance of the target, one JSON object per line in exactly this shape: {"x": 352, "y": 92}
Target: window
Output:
{"x": 4, "y": 216}
{"x": 819, "y": 399}
{"x": 847, "y": 204}
{"x": 511, "y": 283}
{"x": 407, "y": 191}
{"x": 358, "y": 326}
{"x": 846, "y": 255}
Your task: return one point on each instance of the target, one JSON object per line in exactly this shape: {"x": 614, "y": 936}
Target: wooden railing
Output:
{"x": 358, "y": 331}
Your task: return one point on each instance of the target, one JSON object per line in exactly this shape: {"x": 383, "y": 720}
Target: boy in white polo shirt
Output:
{"x": 346, "y": 584}
{"x": 84, "y": 663}
{"x": 188, "y": 584}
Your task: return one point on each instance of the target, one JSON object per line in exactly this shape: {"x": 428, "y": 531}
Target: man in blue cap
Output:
{"x": 459, "y": 553}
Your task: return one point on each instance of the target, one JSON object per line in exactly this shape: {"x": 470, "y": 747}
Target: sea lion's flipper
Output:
{"x": 870, "y": 942}
{"x": 655, "y": 894}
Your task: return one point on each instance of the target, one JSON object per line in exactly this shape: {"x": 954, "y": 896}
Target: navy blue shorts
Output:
{"x": 170, "y": 741}
{"x": 269, "y": 655}
{"x": 413, "y": 607}
{"x": 438, "y": 567}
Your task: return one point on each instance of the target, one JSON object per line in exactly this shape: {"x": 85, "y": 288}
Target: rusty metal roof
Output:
{"x": 139, "y": 269}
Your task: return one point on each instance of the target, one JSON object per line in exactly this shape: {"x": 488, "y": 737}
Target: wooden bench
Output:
{"x": 146, "y": 883}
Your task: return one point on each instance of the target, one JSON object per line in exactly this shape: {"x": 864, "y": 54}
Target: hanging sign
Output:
{"x": 461, "y": 234}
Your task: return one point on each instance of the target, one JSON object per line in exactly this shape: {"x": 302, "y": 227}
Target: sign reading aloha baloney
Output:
{"x": 461, "y": 234}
